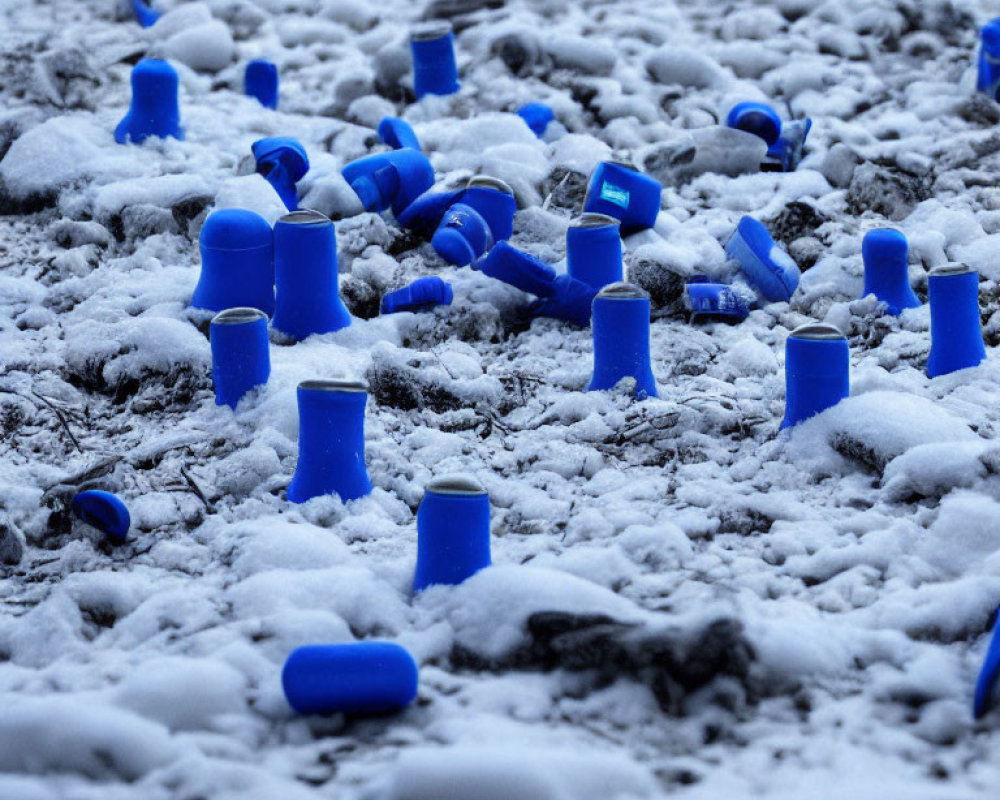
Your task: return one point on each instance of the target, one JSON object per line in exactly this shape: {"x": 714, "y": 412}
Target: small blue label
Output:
{"x": 614, "y": 194}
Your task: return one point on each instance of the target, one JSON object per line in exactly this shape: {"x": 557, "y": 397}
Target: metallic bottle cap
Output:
{"x": 489, "y": 182}
{"x": 238, "y": 316}
{"x": 592, "y": 219}
{"x": 464, "y": 485}
{"x": 429, "y": 31}
{"x": 622, "y": 291}
{"x": 333, "y": 386}
{"x": 817, "y": 331}
{"x": 950, "y": 269}
{"x": 304, "y": 216}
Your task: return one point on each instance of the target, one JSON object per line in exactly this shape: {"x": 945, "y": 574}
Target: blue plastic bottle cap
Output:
{"x": 240, "y": 353}
{"x": 103, "y": 511}
{"x": 425, "y": 292}
{"x": 432, "y": 46}
{"x": 462, "y": 236}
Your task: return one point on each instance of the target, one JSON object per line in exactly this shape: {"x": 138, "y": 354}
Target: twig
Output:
{"x": 196, "y": 489}
{"x": 62, "y": 419}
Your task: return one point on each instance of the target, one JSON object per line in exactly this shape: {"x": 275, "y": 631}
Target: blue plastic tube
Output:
{"x": 260, "y": 80}
{"x": 884, "y": 252}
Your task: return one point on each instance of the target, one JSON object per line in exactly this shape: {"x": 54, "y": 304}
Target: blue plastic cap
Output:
{"x": 283, "y": 161}
{"x": 462, "y": 236}
{"x": 145, "y": 15}
{"x": 422, "y": 293}
{"x": 537, "y": 116}
{"x": 154, "y": 109}
{"x": 769, "y": 269}
{"x": 260, "y": 80}
{"x": 398, "y": 133}
{"x": 235, "y": 229}
{"x": 103, "y": 511}
{"x": 756, "y": 118}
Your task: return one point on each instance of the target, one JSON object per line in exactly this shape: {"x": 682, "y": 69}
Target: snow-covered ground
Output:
{"x": 683, "y": 602}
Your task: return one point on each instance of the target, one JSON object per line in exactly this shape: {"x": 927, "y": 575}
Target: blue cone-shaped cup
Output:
{"x": 817, "y": 371}
{"x": 622, "y": 192}
{"x": 241, "y": 358}
{"x": 307, "y": 290}
{"x": 237, "y": 266}
{"x": 352, "y": 678}
{"x": 154, "y": 110}
{"x": 620, "y": 325}
{"x": 494, "y": 200}
{"x": 594, "y": 250}
{"x": 463, "y": 236}
{"x": 956, "y": 330}
{"x": 260, "y": 80}
{"x": 453, "y": 532}
{"x": 103, "y": 511}
{"x": 331, "y": 441}
{"x": 434, "y": 69}
{"x": 886, "y": 273}
{"x": 395, "y": 179}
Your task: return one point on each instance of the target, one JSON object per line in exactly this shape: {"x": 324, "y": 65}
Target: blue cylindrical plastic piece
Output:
{"x": 241, "y": 359}
{"x": 434, "y": 69}
{"x": 716, "y": 300}
{"x": 817, "y": 371}
{"x": 886, "y": 275}
{"x": 154, "y": 110}
{"x": 397, "y": 133}
{"x": 145, "y": 15}
{"x": 396, "y": 179}
{"x": 307, "y": 291}
{"x": 537, "y": 116}
{"x": 237, "y": 267}
{"x": 104, "y": 511}
{"x": 620, "y": 325}
{"x": 462, "y": 236}
{"x": 260, "y": 80}
{"x": 988, "y": 78}
{"x": 354, "y": 678}
{"x": 529, "y": 274}
{"x": 423, "y": 293}
{"x": 756, "y": 118}
{"x": 494, "y": 200}
{"x": 988, "y": 683}
{"x": 331, "y": 441}
{"x": 620, "y": 191}
{"x": 956, "y": 330}
{"x": 283, "y": 162}
{"x": 453, "y": 532}
{"x": 768, "y": 268}
{"x": 594, "y": 250}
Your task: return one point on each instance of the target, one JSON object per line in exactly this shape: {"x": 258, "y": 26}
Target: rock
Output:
{"x": 889, "y": 192}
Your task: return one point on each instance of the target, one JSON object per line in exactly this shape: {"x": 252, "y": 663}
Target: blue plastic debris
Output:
{"x": 453, "y": 532}
{"x": 622, "y": 192}
{"x": 716, "y": 300}
{"x": 420, "y": 294}
{"x": 241, "y": 358}
{"x": 537, "y": 116}
{"x": 435, "y": 71}
{"x": 395, "y": 179}
{"x": 956, "y": 327}
{"x": 988, "y": 77}
{"x": 817, "y": 371}
{"x": 988, "y": 684}
{"x": 145, "y": 14}
{"x": 260, "y": 80}
{"x": 282, "y": 161}
{"x": 769, "y": 269}
{"x": 621, "y": 339}
{"x": 490, "y": 197}
{"x": 884, "y": 252}
{"x": 785, "y": 141}
{"x": 103, "y": 511}
{"x": 397, "y": 133}
{"x": 463, "y": 235}
{"x": 594, "y": 249}
{"x": 237, "y": 267}
{"x": 154, "y": 110}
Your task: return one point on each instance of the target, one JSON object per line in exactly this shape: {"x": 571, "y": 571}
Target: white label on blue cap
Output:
{"x": 614, "y": 194}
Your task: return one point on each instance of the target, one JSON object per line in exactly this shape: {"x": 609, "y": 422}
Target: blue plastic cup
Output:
{"x": 988, "y": 78}
{"x": 354, "y": 678}
{"x": 956, "y": 330}
{"x": 307, "y": 290}
{"x": 241, "y": 358}
{"x": 398, "y": 133}
{"x": 756, "y": 118}
{"x": 817, "y": 371}
{"x": 494, "y": 200}
{"x": 260, "y": 80}
{"x": 154, "y": 110}
{"x": 331, "y": 441}
{"x": 620, "y": 324}
{"x": 536, "y": 116}
{"x": 237, "y": 266}
{"x": 283, "y": 162}
{"x": 434, "y": 69}
{"x": 768, "y": 268}
{"x": 103, "y": 511}
{"x": 594, "y": 250}
{"x": 396, "y": 179}
{"x": 620, "y": 191}
{"x": 453, "y": 531}
{"x": 884, "y": 252}
{"x": 463, "y": 235}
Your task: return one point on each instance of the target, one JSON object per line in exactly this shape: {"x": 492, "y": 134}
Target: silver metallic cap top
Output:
{"x": 622, "y": 291}
{"x": 622, "y": 164}
{"x": 304, "y": 216}
{"x": 489, "y": 182}
{"x": 455, "y": 484}
{"x": 817, "y": 330}
{"x": 592, "y": 219}
{"x": 950, "y": 269}
{"x": 429, "y": 31}
{"x": 334, "y": 385}
{"x": 238, "y": 316}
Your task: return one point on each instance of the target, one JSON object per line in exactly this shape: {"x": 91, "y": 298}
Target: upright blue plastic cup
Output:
{"x": 884, "y": 251}
{"x": 395, "y": 178}
{"x": 620, "y": 324}
{"x": 594, "y": 250}
{"x": 956, "y": 330}
{"x": 988, "y": 78}
{"x": 154, "y": 110}
{"x": 241, "y": 359}
{"x": 622, "y": 192}
{"x": 237, "y": 266}
{"x": 354, "y": 678}
{"x": 463, "y": 235}
{"x": 103, "y": 511}
{"x": 434, "y": 69}
{"x": 331, "y": 441}
{"x": 817, "y": 371}
{"x": 260, "y": 80}
{"x": 307, "y": 296}
{"x": 494, "y": 200}
{"x": 768, "y": 268}
{"x": 453, "y": 531}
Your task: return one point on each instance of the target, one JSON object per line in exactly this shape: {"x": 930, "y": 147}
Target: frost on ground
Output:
{"x": 683, "y": 602}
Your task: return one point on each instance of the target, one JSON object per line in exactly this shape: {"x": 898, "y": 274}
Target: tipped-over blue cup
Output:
{"x": 757, "y": 118}
{"x": 594, "y": 250}
{"x": 282, "y": 161}
{"x": 768, "y": 268}
{"x": 241, "y": 358}
{"x": 988, "y": 683}
{"x": 395, "y": 179}
{"x": 620, "y": 327}
{"x": 494, "y": 200}
{"x": 103, "y": 511}
{"x": 817, "y": 371}
{"x": 884, "y": 251}
{"x": 331, "y": 441}
{"x": 536, "y": 116}
{"x": 423, "y": 293}
{"x": 622, "y": 192}
{"x": 260, "y": 80}
{"x": 956, "y": 330}
{"x": 154, "y": 110}
{"x": 432, "y": 46}
{"x": 988, "y": 77}
{"x": 307, "y": 289}
{"x": 237, "y": 267}
{"x": 352, "y": 678}
{"x": 398, "y": 133}
{"x": 453, "y": 531}
{"x": 785, "y": 140}
{"x": 463, "y": 236}
{"x": 145, "y": 14}
{"x": 716, "y": 301}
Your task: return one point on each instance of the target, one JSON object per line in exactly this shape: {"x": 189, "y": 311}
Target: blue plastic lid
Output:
{"x": 235, "y": 229}
{"x": 756, "y": 118}
{"x": 103, "y": 511}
